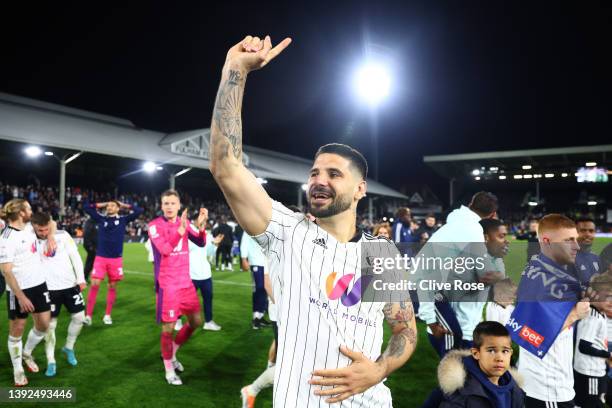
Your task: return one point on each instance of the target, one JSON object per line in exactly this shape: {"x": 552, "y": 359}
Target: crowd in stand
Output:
{"x": 43, "y": 198}
{"x": 46, "y": 198}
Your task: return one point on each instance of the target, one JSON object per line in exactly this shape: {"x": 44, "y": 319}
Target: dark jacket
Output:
{"x": 90, "y": 234}
{"x": 227, "y": 232}
{"x": 462, "y": 389}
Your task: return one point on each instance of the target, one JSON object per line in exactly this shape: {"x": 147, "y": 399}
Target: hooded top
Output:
{"x": 464, "y": 384}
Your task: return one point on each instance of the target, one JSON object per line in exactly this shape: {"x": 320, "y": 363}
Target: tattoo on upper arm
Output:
{"x": 402, "y": 314}
{"x": 227, "y": 117}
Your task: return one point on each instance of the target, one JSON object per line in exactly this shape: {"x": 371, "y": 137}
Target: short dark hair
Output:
{"x": 430, "y": 215}
{"x": 403, "y": 211}
{"x": 490, "y": 225}
{"x": 346, "y": 151}
{"x": 40, "y": 218}
{"x": 585, "y": 219}
{"x": 484, "y": 203}
{"x": 488, "y": 328}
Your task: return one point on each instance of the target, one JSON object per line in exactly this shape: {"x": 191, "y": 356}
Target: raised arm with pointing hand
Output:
{"x": 248, "y": 200}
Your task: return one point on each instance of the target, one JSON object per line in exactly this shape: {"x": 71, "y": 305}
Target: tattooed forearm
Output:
{"x": 400, "y": 316}
{"x": 397, "y": 343}
{"x": 227, "y": 117}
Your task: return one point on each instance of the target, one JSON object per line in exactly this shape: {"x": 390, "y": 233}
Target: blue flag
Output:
{"x": 546, "y": 295}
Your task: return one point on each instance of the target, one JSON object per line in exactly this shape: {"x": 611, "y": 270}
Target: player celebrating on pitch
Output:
{"x": 21, "y": 266}
{"x": 176, "y": 294}
{"x": 109, "y": 252}
{"x": 63, "y": 270}
{"x": 316, "y": 347}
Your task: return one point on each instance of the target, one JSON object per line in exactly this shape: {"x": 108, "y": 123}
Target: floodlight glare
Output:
{"x": 304, "y": 187}
{"x": 149, "y": 167}
{"x": 590, "y": 164}
{"x": 159, "y": 168}
{"x": 477, "y": 178}
{"x": 533, "y": 204}
{"x": 526, "y": 167}
{"x": 591, "y": 203}
{"x": 33, "y": 151}
{"x": 48, "y": 153}
{"x": 476, "y": 172}
{"x": 262, "y": 180}
{"x": 372, "y": 82}
{"x": 502, "y": 177}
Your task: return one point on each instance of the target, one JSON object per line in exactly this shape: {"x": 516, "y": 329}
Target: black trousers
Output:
{"x": 225, "y": 252}
{"x": 89, "y": 261}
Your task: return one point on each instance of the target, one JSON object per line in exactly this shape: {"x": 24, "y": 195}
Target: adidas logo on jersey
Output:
{"x": 320, "y": 241}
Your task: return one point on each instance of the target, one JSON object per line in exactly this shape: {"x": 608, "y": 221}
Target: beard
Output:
{"x": 339, "y": 204}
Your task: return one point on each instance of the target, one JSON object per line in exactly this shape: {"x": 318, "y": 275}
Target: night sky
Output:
{"x": 468, "y": 76}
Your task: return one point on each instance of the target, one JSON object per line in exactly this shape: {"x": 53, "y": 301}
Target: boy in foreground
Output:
{"x": 480, "y": 377}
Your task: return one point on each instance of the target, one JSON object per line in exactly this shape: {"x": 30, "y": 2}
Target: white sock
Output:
{"x": 15, "y": 346}
{"x": 265, "y": 380}
{"x": 74, "y": 328}
{"x": 258, "y": 315}
{"x": 50, "y": 341}
{"x": 34, "y": 337}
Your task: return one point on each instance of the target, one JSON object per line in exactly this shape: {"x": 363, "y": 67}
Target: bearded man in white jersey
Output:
{"x": 21, "y": 266}
{"x": 328, "y": 352}
{"x": 65, "y": 278}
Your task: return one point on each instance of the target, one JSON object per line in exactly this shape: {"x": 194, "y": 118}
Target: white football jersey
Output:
{"x": 64, "y": 268}
{"x": 311, "y": 325}
{"x": 593, "y": 329}
{"x": 552, "y": 377}
{"x": 19, "y": 248}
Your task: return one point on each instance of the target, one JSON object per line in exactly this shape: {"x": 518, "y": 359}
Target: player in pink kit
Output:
{"x": 176, "y": 294}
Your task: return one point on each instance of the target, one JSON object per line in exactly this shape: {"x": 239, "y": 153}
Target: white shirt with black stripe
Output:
{"x": 311, "y": 326}
{"x": 593, "y": 329}
{"x": 19, "y": 248}
{"x": 552, "y": 377}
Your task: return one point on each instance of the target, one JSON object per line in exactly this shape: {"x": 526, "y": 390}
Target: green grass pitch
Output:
{"x": 119, "y": 365}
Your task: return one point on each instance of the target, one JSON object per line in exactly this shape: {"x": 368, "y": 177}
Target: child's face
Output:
{"x": 494, "y": 356}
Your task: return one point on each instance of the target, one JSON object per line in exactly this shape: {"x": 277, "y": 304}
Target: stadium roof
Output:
{"x": 553, "y": 161}
{"x": 29, "y": 121}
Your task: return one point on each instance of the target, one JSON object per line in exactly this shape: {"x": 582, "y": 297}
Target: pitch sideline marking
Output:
{"x": 132, "y": 272}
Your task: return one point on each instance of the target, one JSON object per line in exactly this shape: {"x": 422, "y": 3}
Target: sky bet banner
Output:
{"x": 546, "y": 295}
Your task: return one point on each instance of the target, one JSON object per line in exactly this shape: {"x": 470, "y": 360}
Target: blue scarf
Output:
{"x": 546, "y": 295}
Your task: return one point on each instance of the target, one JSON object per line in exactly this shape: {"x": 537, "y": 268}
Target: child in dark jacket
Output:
{"x": 480, "y": 377}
